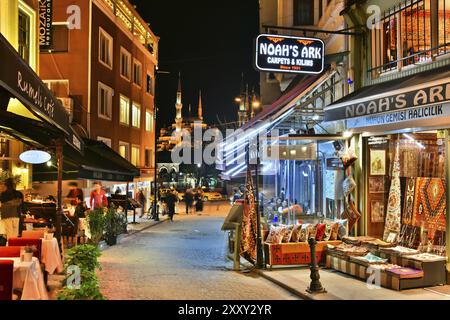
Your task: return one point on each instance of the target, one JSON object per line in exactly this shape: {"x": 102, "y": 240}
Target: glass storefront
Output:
{"x": 304, "y": 183}
{"x": 421, "y": 167}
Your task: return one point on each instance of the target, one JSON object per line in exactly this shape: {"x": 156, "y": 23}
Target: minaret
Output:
{"x": 179, "y": 107}
{"x": 200, "y": 106}
{"x": 242, "y": 105}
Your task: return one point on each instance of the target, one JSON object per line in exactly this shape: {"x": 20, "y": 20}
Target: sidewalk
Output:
{"x": 142, "y": 223}
{"x": 343, "y": 287}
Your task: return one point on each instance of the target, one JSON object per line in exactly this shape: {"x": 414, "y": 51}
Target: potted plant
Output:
{"x": 96, "y": 225}
{"x": 113, "y": 226}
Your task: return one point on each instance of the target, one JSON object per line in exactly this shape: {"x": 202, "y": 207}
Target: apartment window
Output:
{"x": 124, "y": 150}
{"x": 105, "y": 49}
{"x": 60, "y": 33}
{"x": 24, "y": 36}
{"x": 303, "y": 12}
{"x": 124, "y": 110}
{"x": 137, "y": 73}
{"x": 135, "y": 156}
{"x": 125, "y": 64}
{"x": 106, "y": 141}
{"x": 105, "y": 96}
{"x": 149, "y": 84}
{"x": 136, "y": 115}
{"x": 444, "y": 26}
{"x": 148, "y": 121}
{"x": 148, "y": 158}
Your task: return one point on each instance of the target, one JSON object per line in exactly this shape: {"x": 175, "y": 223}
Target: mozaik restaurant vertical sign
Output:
{"x": 45, "y": 24}
{"x": 287, "y": 54}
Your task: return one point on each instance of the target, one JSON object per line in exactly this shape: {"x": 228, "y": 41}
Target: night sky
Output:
{"x": 211, "y": 43}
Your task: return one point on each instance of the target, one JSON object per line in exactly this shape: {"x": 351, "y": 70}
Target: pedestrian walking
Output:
{"x": 171, "y": 201}
{"x": 140, "y": 198}
{"x": 199, "y": 200}
{"x": 189, "y": 200}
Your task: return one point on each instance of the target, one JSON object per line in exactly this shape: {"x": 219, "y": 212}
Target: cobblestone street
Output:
{"x": 184, "y": 260}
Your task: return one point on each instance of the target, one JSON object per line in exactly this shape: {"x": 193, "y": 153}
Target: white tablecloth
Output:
{"x": 51, "y": 256}
{"x": 28, "y": 278}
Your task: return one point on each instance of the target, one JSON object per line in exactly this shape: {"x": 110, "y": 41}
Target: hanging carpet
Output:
{"x": 249, "y": 222}
{"x": 394, "y": 211}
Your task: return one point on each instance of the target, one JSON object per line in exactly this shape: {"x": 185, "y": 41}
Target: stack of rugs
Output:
{"x": 345, "y": 251}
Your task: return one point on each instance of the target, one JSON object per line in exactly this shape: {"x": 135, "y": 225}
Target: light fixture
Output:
{"x": 49, "y": 164}
{"x": 316, "y": 117}
{"x": 237, "y": 100}
{"x": 256, "y": 104}
{"x": 35, "y": 157}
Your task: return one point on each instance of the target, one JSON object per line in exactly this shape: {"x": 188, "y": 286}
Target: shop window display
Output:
{"x": 416, "y": 162}
{"x": 306, "y": 183}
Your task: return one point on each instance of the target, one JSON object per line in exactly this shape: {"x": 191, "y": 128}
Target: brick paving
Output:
{"x": 184, "y": 260}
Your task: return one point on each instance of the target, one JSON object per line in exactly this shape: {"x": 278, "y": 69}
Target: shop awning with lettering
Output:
{"x": 19, "y": 81}
{"x": 407, "y": 100}
{"x": 98, "y": 163}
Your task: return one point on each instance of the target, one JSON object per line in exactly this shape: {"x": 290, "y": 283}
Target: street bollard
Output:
{"x": 316, "y": 285}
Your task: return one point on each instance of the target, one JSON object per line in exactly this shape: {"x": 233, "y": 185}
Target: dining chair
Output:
{"x": 10, "y": 252}
{"x": 23, "y": 242}
{"x": 6, "y": 280}
{"x": 33, "y": 234}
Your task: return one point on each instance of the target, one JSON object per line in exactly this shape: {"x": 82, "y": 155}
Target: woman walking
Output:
{"x": 199, "y": 200}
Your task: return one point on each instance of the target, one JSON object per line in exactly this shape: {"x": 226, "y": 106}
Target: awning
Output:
{"x": 98, "y": 163}
{"x": 18, "y": 80}
{"x": 398, "y": 98}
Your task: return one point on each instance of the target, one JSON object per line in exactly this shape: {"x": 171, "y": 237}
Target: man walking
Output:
{"x": 171, "y": 201}
{"x": 189, "y": 200}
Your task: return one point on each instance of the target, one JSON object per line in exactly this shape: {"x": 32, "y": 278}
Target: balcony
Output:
{"x": 125, "y": 12}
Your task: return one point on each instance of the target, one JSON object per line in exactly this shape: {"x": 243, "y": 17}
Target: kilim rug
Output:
{"x": 249, "y": 222}
{"x": 408, "y": 211}
{"x": 430, "y": 205}
{"x": 394, "y": 211}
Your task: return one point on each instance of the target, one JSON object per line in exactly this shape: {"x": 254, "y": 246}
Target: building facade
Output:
{"x": 102, "y": 67}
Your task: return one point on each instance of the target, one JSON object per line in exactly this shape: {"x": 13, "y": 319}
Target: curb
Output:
{"x": 133, "y": 232}
{"x": 302, "y": 295}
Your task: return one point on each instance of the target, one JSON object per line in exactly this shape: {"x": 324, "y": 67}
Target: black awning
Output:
{"x": 421, "y": 89}
{"x": 98, "y": 163}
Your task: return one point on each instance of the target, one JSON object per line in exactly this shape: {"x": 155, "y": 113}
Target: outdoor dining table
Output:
{"x": 51, "y": 256}
{"x": 28, "y": 278}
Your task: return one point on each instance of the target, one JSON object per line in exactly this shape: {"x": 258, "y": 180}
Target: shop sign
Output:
{"x": 35, "y": 157}
{"x": 287, "y": 54}
{"x": 45, "y": 24}
{"x": 22, "y": 83}
{"x": 391, "y": 102}
{"x": 422, "y": 113}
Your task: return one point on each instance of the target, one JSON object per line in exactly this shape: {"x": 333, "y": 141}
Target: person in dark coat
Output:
{"x": 199, "y": 200}
{"x": 189, "y": 200}
{"x": 171, "y": 201}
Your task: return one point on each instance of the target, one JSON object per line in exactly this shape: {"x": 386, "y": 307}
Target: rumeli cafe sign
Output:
{"x": 45, "y": 23}
{"x": 427, "y": 102}
{"x": 288, "y": 54}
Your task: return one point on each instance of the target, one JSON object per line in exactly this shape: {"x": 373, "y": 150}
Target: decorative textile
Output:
{"x": 276, "y": 235}
{"x": 249, "y": 221}
{"x": 287, "y": 234}
{"x": 327, "y": 234}
{"x": 393, "y": 213}
{"x": 320, "y": 231}
{"x": 409, "y": 201}
{"x": 295, "y": 237}
{"x": 348, "y": 186}
{"x": 406, "y": 273}
{"x": 351, "y": 214}
{"x": 304, "y": 233}
{"x": 312, "y": 232}
{"x": 430, "y": 205}
{"x": 334, "y": 231}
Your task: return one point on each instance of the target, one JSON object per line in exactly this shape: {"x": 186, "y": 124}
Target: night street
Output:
{"x": 182, "y": 261}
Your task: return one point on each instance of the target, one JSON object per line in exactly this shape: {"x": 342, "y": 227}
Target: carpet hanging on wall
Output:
{"x": 249, "y": 222}
{"x": 394, "y": 211}
{"x": 430, "y": 205}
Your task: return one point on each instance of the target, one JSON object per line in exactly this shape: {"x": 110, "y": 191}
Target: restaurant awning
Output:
{"x": 393, "y": 100}
{"x": 98, "y": 163}
{"x": 18, "y": 80}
